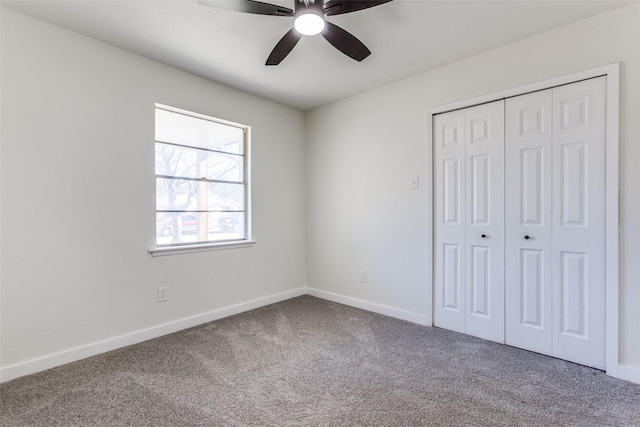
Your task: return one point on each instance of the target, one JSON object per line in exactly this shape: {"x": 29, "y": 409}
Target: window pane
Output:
{"x": 194, "y": 163}
{"x": 196, "y": 132}
{"x": 179, "y": 224}
{"x": 188, "y": 227}
{"x": 188, "y": 195}
{"x": 230, "y": 225}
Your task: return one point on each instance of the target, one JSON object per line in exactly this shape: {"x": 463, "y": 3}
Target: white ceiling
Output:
{"x": 406, "y": 37}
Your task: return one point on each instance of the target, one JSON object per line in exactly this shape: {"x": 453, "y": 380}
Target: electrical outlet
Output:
{"x": 363, "y": 276}
{"x": 162, "y": 294}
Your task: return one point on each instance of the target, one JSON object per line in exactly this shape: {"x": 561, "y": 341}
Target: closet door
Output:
{"x": 469, "y": 218}
{"x": 485, "y": 221}
{"x": 579, "y": 122}
{"x": 528, "y": 151}
{"x": 523, "y": 261}
{"x": 449, "y": 220}
{"x": 555, "y": 221}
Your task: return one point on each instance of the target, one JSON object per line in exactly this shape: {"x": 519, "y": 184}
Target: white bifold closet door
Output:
{"x": 555, "y": 217}
{"x": 528, "y": 275}
{"x": 469, "y": 236}
{"x": 519, "y": 216}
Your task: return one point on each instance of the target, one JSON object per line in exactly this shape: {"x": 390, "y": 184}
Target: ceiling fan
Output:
{"x": 309, "y": 20}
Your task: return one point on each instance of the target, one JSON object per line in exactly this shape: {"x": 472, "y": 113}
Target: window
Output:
{"x": 202, "y": 184}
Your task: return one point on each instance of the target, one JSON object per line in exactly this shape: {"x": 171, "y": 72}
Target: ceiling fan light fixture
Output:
{"x": 309, "y": 24}
{"x": 309, "y": 21}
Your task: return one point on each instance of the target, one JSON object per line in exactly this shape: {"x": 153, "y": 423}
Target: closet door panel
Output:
{"x": 485, "y": 221}
{"x": 449, "y": 223}
{"x": 528, "y": 149}
{"x": 578, "y": 220}
{"x": 519, "y": 221}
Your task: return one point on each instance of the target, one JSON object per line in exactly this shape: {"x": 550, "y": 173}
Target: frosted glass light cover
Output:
{"x": 309, "y": 24}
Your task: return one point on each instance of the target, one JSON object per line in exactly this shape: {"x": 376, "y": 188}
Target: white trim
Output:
{"x": 200, "y": 116}
{"x": 187, "y": 249}
{"x": 612, "y": 220}
{"x": 67, "y": 356}
{"x": 9, "y": 373}
{"x": 420, "y": 319}
{"x": 605, "y": 70}
{"x": 628, "y": 373}
{"x": 429, "y": 218}
{"x": 612, "y": 72}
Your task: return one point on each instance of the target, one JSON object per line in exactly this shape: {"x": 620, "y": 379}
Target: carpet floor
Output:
{"x": 310, "y": 362}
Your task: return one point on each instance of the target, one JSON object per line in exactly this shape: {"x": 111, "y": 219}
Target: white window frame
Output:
{"x": 183, "y": 248}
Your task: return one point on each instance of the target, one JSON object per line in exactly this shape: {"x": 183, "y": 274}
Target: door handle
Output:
{"x": 484, "y": 236}
{"x": 526, "y": 237}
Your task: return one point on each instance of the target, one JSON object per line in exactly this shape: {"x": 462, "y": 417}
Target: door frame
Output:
{"x": 612, "y": 73}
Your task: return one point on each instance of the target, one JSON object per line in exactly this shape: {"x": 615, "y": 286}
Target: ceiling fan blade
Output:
{"x": 345, "y": 42}
{"x": 284, "y": 46}
{"x": 249, "y": 6}
{"x": 337, "y": 7}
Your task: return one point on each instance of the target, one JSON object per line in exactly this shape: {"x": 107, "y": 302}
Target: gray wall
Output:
{"x": 362, "y": 151}
{"x": 78, "y": 195}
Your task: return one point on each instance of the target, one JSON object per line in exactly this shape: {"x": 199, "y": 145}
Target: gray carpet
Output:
{"x": 310, "y": 362}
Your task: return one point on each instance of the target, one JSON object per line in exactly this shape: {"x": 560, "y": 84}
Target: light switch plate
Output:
{"x": 414, "y": 182}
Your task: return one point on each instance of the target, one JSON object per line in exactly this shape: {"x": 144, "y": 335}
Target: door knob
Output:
{"x": 484, "y": 236}
{"x": 527, "y": 237}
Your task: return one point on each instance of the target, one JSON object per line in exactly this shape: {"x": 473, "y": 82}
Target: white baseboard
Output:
{"x": 420, "y": 319}
{"x": 11, "y": 372}
{"x": 629, "y": 373}
{"x": 51, "y": 361}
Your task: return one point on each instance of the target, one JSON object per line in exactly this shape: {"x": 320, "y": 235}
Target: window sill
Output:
{"x": 177, "y": 250}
